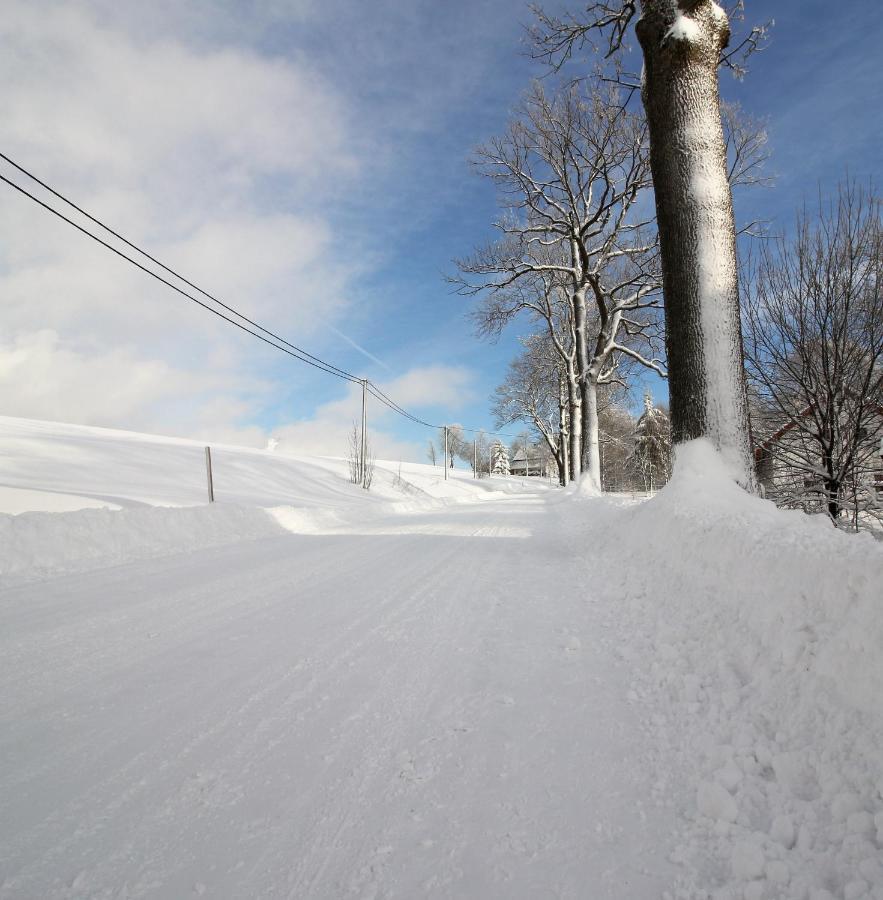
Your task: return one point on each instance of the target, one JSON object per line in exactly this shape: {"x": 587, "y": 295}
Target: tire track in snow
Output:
{"x": 257, "y": 689}
{"x": 414, "y": 726}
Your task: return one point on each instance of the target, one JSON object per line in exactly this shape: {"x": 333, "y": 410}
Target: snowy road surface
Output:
{"x": 423, "y": 709}
{"x": 443, "y": 688}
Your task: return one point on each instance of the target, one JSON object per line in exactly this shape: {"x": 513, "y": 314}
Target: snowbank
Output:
{"x": 36, "y": 545}
{"x": 755, "y": 635}
{"x": 53, "y": 467}
{"x": 810, "y": 595}
{"x": 752, "y": 635}
{"x": 76, "y": 497}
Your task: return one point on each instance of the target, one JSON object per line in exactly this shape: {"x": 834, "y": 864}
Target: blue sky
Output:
{"x": 307, "y": 162}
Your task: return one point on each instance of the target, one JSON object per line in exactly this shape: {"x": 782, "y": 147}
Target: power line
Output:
{"x": 284, "y": 345}
{"x": 322, "y": 367}
{"x": 387, "y": 401}
{"x": 157, "y": 262}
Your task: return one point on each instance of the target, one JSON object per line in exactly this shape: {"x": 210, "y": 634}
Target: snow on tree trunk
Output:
{"x": 563, "y": 434}
{"x": 582, "y": 368}
{"x": 681, "y": 44}
{"x": 592, "y": 454}
{"x": 576, "y": 428}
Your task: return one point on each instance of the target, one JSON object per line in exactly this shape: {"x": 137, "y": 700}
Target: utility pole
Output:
{"x": 363, "y": 454}
{"x": 208, "y": 474}
{"x": 446, "y": 452}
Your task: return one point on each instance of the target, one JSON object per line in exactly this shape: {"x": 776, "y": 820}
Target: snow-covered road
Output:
{"x": 428, "y": 707}
{"x": 446, "y": 687}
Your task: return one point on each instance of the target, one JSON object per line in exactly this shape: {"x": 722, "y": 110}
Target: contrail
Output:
{"x": 361, "y": 350}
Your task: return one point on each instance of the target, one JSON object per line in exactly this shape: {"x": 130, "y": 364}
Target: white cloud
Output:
{"x": 40, "y": 378}
{"x": 439, "y": 386}
{"x": 206, "y": 155}
{"x": 327, "y": 432}
{"x": 119, "y": 107}
{"x": 185, "y": 127}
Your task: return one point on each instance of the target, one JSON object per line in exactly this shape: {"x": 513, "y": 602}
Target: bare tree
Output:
{"x": 651, "y": 455}
{"x": 360, "y": 462}
{"x": 473, "y": 452}
{"x": 683, "y": 43}
{"x": 430, "y": 453}
{"x": 477, "y": 454}
{"x": 456, "y": 444}
{"x": 532, "y": 393}
{"x": 745, "y": 140}
{"x": 814, "y": 346}
{"x": 544, "y": 298}
{"x": 617, "y": 427}
{"x": 605, "y": 24}
{"x": 571, "y": 171}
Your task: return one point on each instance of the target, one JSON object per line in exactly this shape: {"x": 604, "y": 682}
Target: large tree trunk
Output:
{"x": 681, "y": 42}
{"x": 832, "y": 485}
{"x": 591, "y": 447}
{"x": 582, "y": 373}
{"x": 574, "y": 403}
{"x": 563, "y": 434}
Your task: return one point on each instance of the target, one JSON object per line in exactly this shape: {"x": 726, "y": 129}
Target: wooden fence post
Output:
{"x": 208, "y": 474}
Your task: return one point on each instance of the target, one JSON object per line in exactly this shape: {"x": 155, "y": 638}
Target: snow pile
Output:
{"x": 683, "y": 29}
{"x": 53, "y": 467}
{"x": 84, "y": 498}
{"x": 37, "y": 545}
{"x": 755, "y": 638}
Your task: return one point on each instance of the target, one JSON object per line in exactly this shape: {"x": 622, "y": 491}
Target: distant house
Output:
{"x": 534, "y": 464}
{"x": 771, "y": 456}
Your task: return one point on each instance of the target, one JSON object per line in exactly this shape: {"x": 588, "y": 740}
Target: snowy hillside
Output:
{"x": 307, "y": 691}
{"x": 92, "y": 474}
{"x": 54, "y": 467}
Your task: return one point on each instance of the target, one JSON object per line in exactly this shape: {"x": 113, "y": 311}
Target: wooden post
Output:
{"x": 363, "y": 453}
{"x": 208, "y": 474}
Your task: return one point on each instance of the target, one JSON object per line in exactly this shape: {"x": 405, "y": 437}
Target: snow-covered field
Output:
{"x": 462, "y": 689}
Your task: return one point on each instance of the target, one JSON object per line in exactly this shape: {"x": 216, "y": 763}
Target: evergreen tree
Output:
{"x": 500, "y": 457}
{"x": 652, "y": 451}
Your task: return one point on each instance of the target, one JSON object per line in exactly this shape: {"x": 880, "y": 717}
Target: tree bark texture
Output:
{"x": 681, "y": 42}
{"x": 563, "y": 434}
{"x": 574, "y": 403}
{"x": 587, "y": 436}
{"x": 591, "y": 445}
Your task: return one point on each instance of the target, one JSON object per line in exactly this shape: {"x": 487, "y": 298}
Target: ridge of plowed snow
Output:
{"x": 754, "y": 635}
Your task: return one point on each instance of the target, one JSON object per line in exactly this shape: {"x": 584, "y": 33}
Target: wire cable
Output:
{"x": 284, "y": 345}
{"x": 163, "y": 266}
{"x": 316, "y": 365}
{"x": 387, "y": 401}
